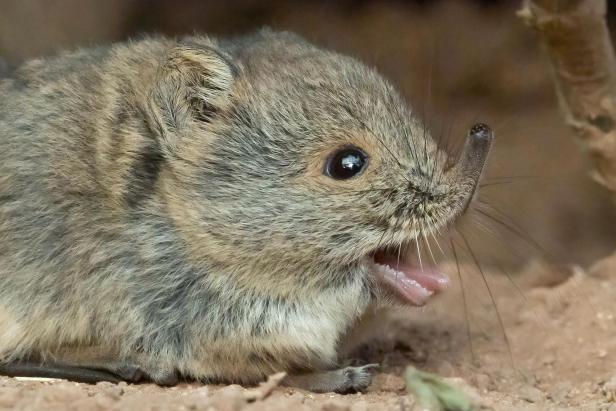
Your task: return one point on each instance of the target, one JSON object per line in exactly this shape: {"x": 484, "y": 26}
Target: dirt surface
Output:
{"x": 560, "y": 325}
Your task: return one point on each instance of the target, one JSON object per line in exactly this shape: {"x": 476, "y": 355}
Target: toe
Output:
{"x": 359, "y": 378}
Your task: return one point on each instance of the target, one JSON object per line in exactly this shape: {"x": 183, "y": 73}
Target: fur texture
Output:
{"x": 163, "y": 204}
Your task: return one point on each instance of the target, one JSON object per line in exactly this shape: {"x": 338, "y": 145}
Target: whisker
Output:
{"x": 499, "y": 237}
{"x": 512, "y": 177}
{"x": 412, "y": 149}
{"x": 418, "y": 252}
{"x": 398, "y": 262}
{"x": 515, "y": 230}
{"x": 409, "y": 146}
{"x": 379, "y": 139}
{"x": 495, "y": 183}
{"x": 425, "y": 145}
{"x": 578, "y": 293}
{"x": 368, "y": 190}
{"x": 392, "y": 155}
{"x": 450, "y": 148}
{"x": 500, "y": 126}
{"x": 378, "y": 245}
{"x": 429, "y": 248}
{"x": 485, "y": 281}
{"x": 432, "y": 233}
{"x": 464, "y": 302}
{"x": 510, "y": 278}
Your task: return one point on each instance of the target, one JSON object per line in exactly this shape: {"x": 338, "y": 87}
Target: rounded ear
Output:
{"x": 193, "y": 84}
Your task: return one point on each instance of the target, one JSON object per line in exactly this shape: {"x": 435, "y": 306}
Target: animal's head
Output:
{"x": 303, "y": 162}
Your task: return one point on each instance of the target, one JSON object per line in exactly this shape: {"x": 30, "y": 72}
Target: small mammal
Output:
{"x": 217, "y": 210}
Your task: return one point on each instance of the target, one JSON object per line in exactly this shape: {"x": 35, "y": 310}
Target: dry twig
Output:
{"x": 577, "y": 40}
{"x": 265, "y": 388}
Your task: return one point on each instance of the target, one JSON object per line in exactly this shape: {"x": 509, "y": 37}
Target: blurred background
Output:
{"x": 456, "y": 61}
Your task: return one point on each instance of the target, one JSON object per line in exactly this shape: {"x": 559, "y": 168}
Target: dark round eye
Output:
{"x": 346, "y": 163}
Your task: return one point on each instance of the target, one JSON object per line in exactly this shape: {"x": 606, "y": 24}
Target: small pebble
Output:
{"x": 531, "y": 394}
{"x": 445, "y": 369}
{"x": 361, "y": 406}
{"x": 560, "y": 392}
{"x": 609, "y": 389}
{"x": 335, "y": 405}
{"x": 482, "y": 382}
{"x": 548, "y": 360}
{"x": 114, "y": 391}
{"x": 230, "y": 398}
{"x": 387, "y": 382}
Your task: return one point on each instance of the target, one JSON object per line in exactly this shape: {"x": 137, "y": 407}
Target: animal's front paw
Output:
{"x": 357, "y": 378}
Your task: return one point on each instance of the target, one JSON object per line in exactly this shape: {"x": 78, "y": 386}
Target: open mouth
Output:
{"x": 406, "y": 278}
{"x": 401, "y": 273}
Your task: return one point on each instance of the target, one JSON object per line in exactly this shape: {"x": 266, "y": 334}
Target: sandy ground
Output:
{"x": 560, "y": 325}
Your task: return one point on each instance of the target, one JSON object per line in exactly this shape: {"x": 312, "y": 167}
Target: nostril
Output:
{"x": 477, "y": 147}
{"x": 480, "y": 131}
{"x": 473, "y": 157}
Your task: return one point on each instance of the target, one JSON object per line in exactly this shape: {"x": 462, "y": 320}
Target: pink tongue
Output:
{"x": 411, "y": 283}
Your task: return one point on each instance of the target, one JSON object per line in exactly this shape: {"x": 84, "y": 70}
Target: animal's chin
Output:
{"x": 406, "y": 278}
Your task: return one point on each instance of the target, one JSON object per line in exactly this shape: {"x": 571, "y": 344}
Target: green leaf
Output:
{"x": 434, "y": 394}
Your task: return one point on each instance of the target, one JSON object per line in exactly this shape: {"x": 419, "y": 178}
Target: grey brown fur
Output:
{"x": 163, "y": 207}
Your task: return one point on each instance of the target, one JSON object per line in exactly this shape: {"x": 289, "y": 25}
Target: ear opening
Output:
{"x": 193, "y": 84}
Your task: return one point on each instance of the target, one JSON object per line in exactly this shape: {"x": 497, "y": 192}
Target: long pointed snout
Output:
{"x": 473, "y": 158}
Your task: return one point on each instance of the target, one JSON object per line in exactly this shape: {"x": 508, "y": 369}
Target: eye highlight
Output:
{"x": 346, "y": 163}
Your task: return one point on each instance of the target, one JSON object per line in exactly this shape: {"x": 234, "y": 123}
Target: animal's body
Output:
{"x": 213, "y": 209}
